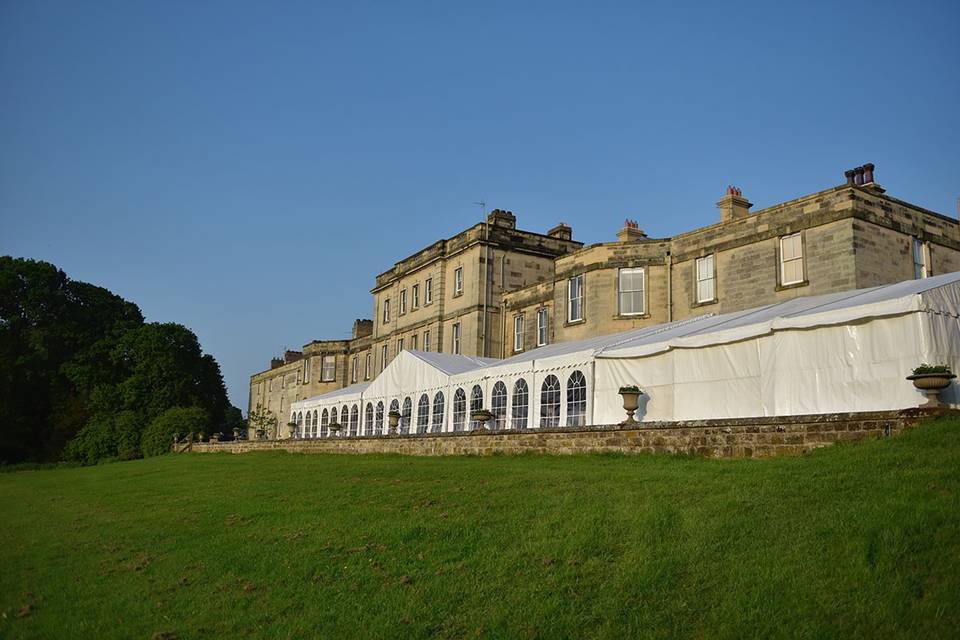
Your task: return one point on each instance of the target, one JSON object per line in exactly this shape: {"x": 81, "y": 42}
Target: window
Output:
{"x": 354, "y": 420}
{"x": 399, "y": 345}
{"x": 791, "y": 259}
{"x": 550, "y": 402}
{"x": 306, "y": 370}
{"x": 458, "y": 281}
{"x": 437, "y": 425}
{"x": 456, "y": 338}
{"x": 383, "y": 357}
{"x": 575, "y": 299}
{"x": 403, "y": 301}
{"x": 413, "y": 341}
{"x": 518, "y": 333}
{"x": 345, "y": 419}
{"x": 428, "y": 291}
{"x": 541, "y": 326}
{"x": 426, "y": 340}
{"x": 476, "y": 403}
{"x": 368, "y": 366}
{"x": 423, "y": 414}
{"x": 354, "y": 369}
{"x": 416, "y": 296}
{"x": 521, "y": 405}
{"x": 920, "y": 269}
{"x": 576, "y": 400}
{"x": 405, "y": 415}
{"x": 395, "y": 405}
{"x": 706, "y": 287}
{"x": 386, "y": 310}
{"x": 378, "y": 421}
{"x": 632, "y": 285}
{"x": 316, "y": 421}
{"x": 329, "y": 371}
{"x": 368, "y": 420}
{"x": 498, "y": 405}
{"x": 334, "y": 418}
{"x": 324, "y": 421}
{"x": 459, "y": 409}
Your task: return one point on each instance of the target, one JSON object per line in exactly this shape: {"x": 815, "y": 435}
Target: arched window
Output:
{"x": 476, "y": 403}
{"x": 550, "y": 402}
{"x": 316, "y": 421}
{"x": 368, "y": 420}
{"x": 521, "y": 405}
{"x": 423, "y": 414}
{"x": 498, "y": 405}
{"x": 378, "y": 424}
{"x": 324, "y": 421}
{"x": 405, "y": 415}
{"x": 459, "y": 409}
{"x": 344, "y": 420}
{"x": 334, "y": 418}
{"x": 576, "y": 400}
{"x": 438, "y": 407}
{"x": 354, "y": 420}
{"x": 299, "y": 431}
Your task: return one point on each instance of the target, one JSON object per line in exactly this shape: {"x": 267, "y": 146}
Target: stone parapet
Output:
{"x": 722, "y": 438}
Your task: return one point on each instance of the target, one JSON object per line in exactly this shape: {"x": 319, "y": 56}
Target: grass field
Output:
{"x": 853, "y": 541}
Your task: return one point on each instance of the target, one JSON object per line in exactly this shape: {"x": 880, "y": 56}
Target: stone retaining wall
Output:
{"x": 726, "y": 438}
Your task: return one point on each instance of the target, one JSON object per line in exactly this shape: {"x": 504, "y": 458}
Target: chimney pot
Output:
{"x": 848, "y": 174}
{"x": 868, "y": 173}
{"x": 858, "y": 176}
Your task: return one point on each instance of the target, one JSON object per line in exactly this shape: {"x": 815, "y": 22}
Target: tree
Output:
{"x": 262, "y": 419}
{"x": 175, "y": 422}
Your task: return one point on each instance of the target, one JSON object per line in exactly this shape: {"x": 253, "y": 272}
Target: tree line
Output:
{"x": 83, "y": 377}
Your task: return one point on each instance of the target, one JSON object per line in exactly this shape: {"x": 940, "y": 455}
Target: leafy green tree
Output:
{"x": 262, "y": 419}
{"x": 175, "y": 422}
{"x": 106, "y": 436}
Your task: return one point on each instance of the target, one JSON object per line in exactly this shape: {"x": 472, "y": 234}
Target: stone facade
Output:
{"x": 495, "y": 285}
{"x": 728, "y": 438}
{"x": 849, "y": 237}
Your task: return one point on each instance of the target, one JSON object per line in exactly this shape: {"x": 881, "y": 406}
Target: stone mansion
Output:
{"x": 494, "y": 290}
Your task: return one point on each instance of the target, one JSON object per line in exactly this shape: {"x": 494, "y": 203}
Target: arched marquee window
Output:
{"x": 423, "y": 414}
{"x": 438, "y": 407}
{"x": 344, "y": 420}
{"x": 354, "y": 420}
{"x": 405, "y": 415}
{"x": 459, "y": 409}
{"x": 550, "y": 402}
{"x": 316, "y": 421}
{"x": 299, "y": 431}
{"x": 476, "y": 403}
{"x": 498, "y": 405}
{"x": 576, "y": 400}
{"x": 324, "y": 421}
{"x": 334, "y": 418}
{"x": 368, "y": 420}
{"x": 378, "y": 424}
{"x": 521, "y": 405}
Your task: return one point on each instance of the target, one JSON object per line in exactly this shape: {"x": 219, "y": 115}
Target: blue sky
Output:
{"x": 246, "y": 168}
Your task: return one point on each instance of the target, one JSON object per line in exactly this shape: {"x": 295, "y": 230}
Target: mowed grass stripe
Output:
{"x": 852, "y": 541}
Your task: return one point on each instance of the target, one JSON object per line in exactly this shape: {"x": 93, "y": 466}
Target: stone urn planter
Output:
{"x": 394, "y": 420}
{"x": 215, "y": 438}
{"x": 931, "y": 380}
{"x": 481, "y": 417}
{"x": 631, "y": 402}
{"x": 261, "y": 434}
{"x": 335, "y": 429}
{"x": 236, "y": 433}
{"x": 292, "y": 426}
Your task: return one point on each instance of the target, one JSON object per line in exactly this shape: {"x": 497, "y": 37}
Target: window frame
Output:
{"x": 386, "y": 311}
{"x": 642, "y": 291}
{"x": 384, "y": 353}
{"x": 354, "y": 369}
{"x": 712, "y": 279}
{"x": 415, "y": 297}
{"x": 368, "y": 365}
{"x": 579, "y": 298}
{"x": 428, "y": 291}
{"x": 518, "y": 332}
{"x": 455, "y": 337}
{"x": 920, "y": 250}
{"x": 543, "y": 323}
{"x": 426, "y": 340}
{"x": 458, "y": 281}
{"x": 332, "y": 376}
{"x": 402, "y": 307}
{"x": 783, "y": 261}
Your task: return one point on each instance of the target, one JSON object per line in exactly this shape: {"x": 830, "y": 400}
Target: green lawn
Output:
{"x": 854, "y": 541}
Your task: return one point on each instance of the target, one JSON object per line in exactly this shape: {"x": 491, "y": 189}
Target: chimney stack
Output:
{"x": 863, "y": 177}
{"x": 733, "y": 205}
{"x": 561, "y": 231}
{"x": 501, "y": 218}
{"x": 631, "y": 231}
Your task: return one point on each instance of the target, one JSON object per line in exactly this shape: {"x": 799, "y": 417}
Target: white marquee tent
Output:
{"x": 846, "y": 351}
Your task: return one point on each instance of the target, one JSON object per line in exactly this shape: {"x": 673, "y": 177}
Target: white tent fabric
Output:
{"x": 846, "y": 351}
